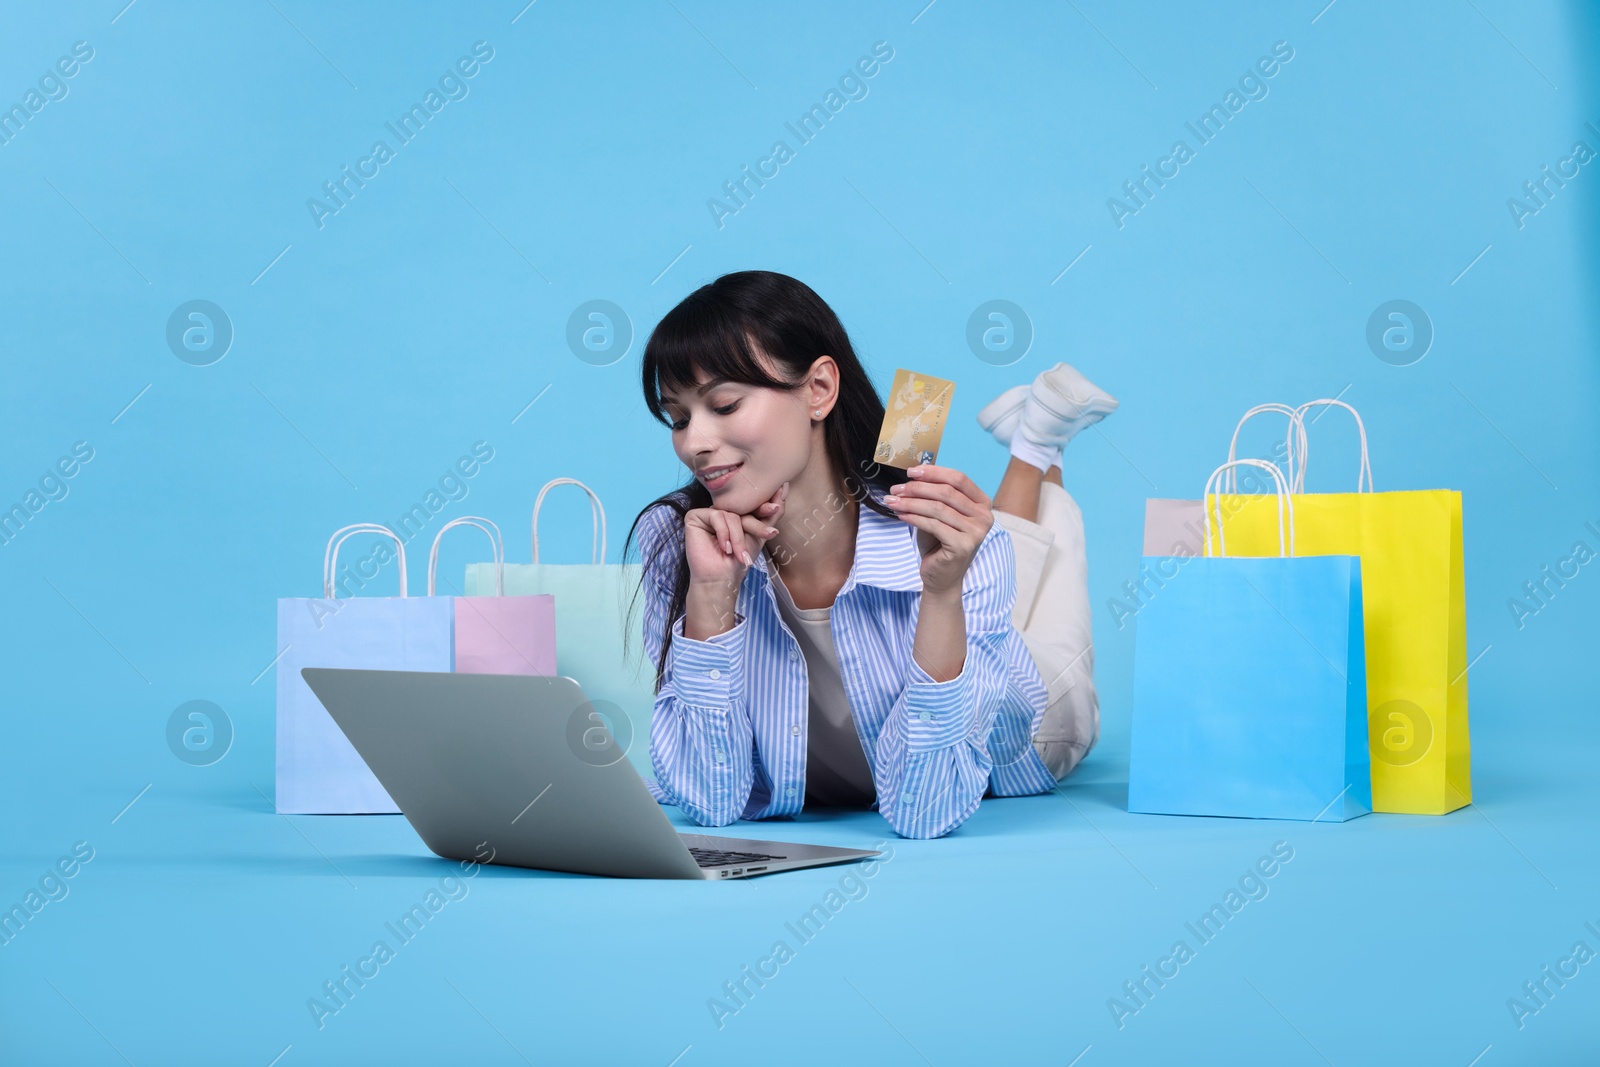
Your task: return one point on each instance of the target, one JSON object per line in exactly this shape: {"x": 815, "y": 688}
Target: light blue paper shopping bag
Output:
{"x": 1249, "y": 684}
{"x": 319, "y": 771}
{"x": 591, "y": 611}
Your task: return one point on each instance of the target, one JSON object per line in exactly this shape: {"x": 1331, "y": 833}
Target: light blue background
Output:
{"x": 371, "y": 353}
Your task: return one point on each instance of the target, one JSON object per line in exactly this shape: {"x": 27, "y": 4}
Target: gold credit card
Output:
{"x": 913, "y": 419}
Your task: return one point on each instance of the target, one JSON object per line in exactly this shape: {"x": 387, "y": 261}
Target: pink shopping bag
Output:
{"x": 499, "y": 634}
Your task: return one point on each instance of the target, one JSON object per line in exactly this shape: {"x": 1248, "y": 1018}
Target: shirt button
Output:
{"x": 908, "y": 798}
{"x": 715, "y": 673}
{"x": 789, "y": 792}
{"x": 793, "y": 654}
{"x": 925, "y": 716}
{"x": 795, "y": 729}
{"x": 720, "y": 756}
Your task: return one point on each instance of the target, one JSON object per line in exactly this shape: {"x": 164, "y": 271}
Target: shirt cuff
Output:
{"x": 935, "y": 715}
{"x": 706, "y": 672}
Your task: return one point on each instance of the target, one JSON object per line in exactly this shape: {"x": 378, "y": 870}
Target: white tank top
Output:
{"x": 837, "y": 773}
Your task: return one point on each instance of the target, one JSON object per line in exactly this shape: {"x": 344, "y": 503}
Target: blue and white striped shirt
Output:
{"x": 728, "y": 732}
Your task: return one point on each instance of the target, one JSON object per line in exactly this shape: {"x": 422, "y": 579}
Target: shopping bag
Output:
{"x": 1414, "y": 598}
{"x": 319, "y": 771}
{"x": 1249, "y": 693}
{"x": 498, "y": 634}
{"x": 592, "y": 602}
{"x": 1177, "y": 527}
{"x": 1173, "y": 527}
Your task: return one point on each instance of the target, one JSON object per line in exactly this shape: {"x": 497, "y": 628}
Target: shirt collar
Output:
{"x": 886, "y": 557}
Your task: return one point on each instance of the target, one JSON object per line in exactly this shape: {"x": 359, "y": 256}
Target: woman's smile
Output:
{"x": 714, "y": 478}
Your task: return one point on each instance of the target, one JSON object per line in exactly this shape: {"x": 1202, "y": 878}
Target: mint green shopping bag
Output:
{"x": 591, "y": 616}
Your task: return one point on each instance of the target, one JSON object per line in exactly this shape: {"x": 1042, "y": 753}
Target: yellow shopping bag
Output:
{"x": 1415, "y": 612}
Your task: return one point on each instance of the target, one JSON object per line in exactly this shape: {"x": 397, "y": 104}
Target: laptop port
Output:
{"x": 753, "y": 870}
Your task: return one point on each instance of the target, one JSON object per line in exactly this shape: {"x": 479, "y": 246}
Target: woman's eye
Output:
{"x": 726, "y": 409}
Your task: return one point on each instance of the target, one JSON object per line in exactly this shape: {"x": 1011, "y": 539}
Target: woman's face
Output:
{"x": 743, "y": 441}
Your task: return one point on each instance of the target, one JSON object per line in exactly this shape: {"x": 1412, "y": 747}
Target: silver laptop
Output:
{"x": 521, "y": 770}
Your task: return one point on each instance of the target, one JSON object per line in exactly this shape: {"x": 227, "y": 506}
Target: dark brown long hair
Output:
{"x": 712, "y": 331}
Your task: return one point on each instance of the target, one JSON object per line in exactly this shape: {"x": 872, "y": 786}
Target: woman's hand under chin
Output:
{"x": 952, "y": 517}
{"x": 721, "y": 545}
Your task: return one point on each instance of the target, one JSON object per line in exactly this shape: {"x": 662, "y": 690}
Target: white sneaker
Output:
{"x": 1001, "y": 415}
{"x": 1060, "y": 402}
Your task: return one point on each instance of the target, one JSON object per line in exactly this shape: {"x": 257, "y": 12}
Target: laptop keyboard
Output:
{"x": 711, "y": 857}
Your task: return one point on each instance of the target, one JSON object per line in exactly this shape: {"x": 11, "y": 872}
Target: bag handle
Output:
{"x": 497, "y": 547}
{"x": 330, "y": 556}
{"x": 1366, "y": 463}
{"x": 1296, "y": 432}
{"x": 1285, "y": 501}
{"x": 595, "y": 507}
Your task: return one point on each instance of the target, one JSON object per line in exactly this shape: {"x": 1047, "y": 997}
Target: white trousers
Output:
{"x": 1052, "y": 615}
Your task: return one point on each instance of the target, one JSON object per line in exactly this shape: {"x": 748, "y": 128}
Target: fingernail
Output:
{"x": 915, "y": 472}
{"x": 891, "y": 500}
{"x": 747, "y": 560}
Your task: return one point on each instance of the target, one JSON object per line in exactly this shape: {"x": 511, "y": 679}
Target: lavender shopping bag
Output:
{"x": 499, "y": 634}
{"x": 319, "y": 771}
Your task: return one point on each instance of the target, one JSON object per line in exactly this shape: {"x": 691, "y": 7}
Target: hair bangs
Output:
{"x": 695, "y": 343}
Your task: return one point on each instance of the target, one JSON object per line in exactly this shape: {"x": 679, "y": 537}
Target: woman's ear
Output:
{"x": 822, "y": 386}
